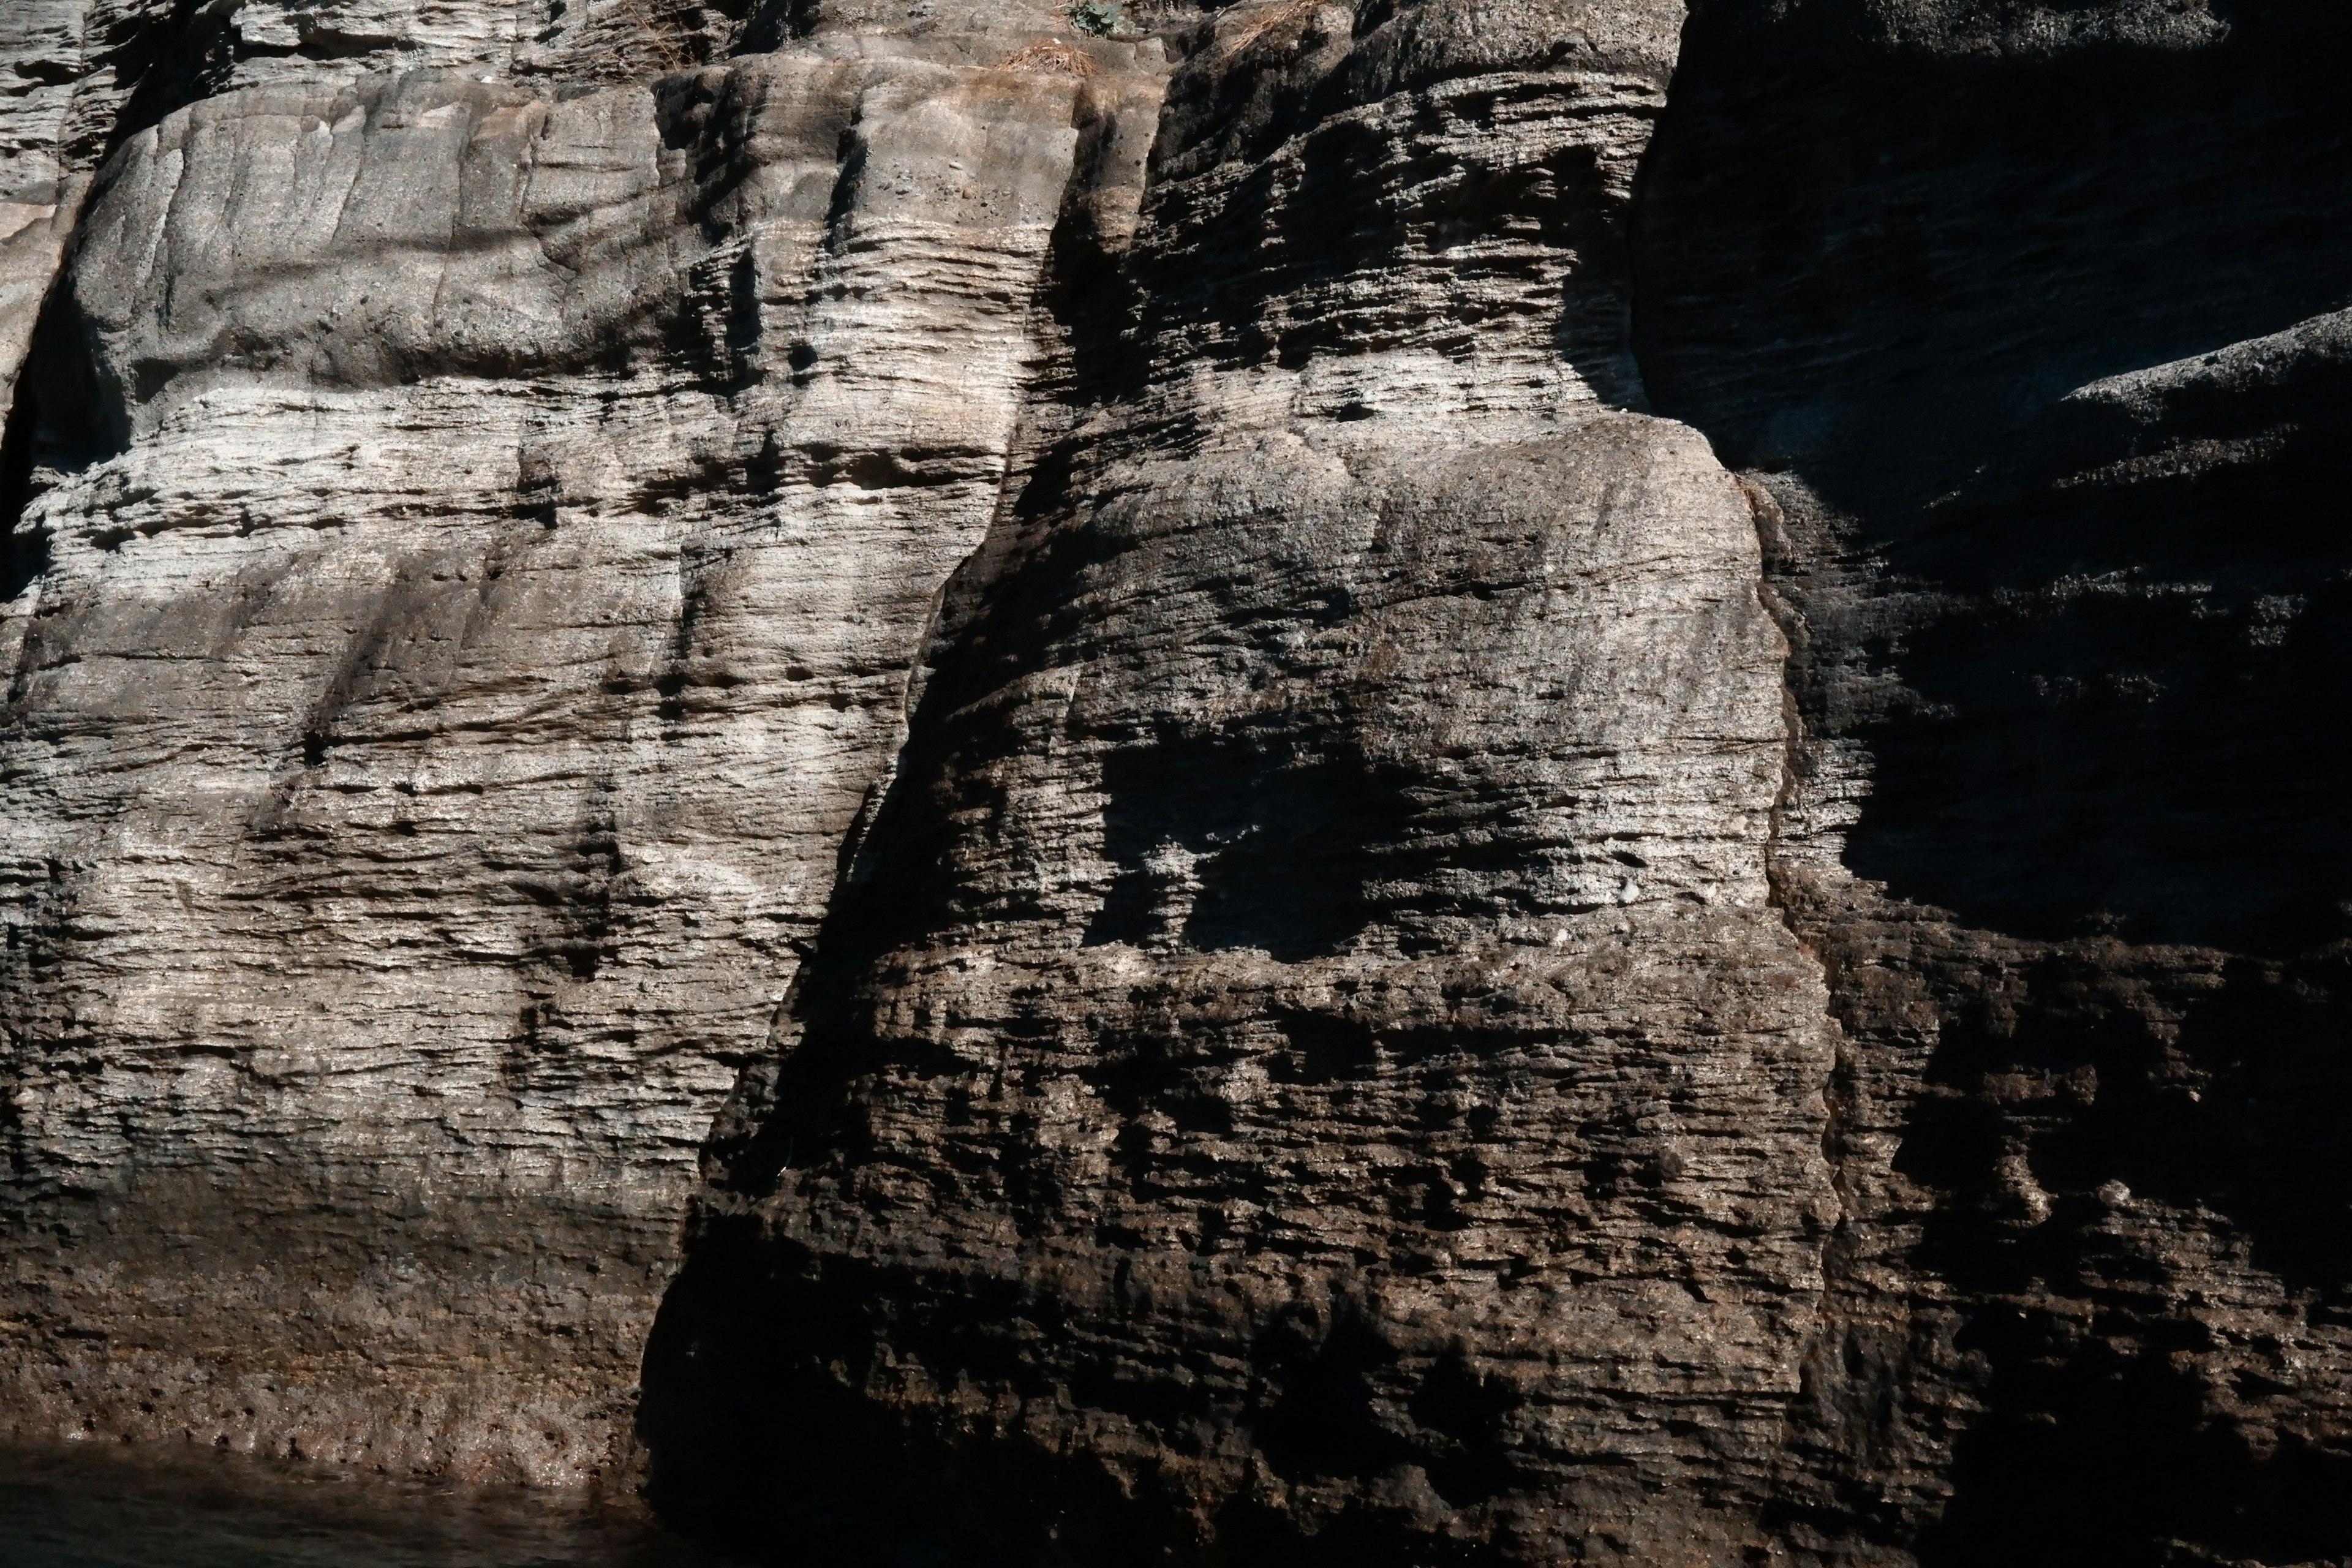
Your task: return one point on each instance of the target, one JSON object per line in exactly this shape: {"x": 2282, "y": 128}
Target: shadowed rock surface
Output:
{"x": 1305, "y": 1061}
{"x": 1522, "y": 781}
{"x": 2022, "y": 322}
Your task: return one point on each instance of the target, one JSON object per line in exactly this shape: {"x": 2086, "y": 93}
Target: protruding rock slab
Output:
{"x": 1305, "y": 1065}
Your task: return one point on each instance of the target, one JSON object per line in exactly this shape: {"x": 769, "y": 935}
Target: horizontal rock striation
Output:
{"x": 1501, "y": 781}
{"x": 1305, "y": 1063}
{"x": 475, "y": 542}
{"x": 2023, "y": 323}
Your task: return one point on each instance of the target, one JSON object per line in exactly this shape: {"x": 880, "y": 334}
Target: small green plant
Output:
{"x": 1096, "y": 18}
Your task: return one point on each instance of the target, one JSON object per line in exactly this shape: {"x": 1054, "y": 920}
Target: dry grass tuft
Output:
{"x": 1266, "y": 20}
{"x": 656, "y": 31}
{"x": 1056, "y": 57}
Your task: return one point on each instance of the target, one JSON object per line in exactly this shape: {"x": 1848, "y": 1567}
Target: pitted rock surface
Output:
{"x": 1509, "y": 782}
{"x": 476, "y": 541}
{"x": 1306, "y": 1051}
{"x": 2023, "y": 323}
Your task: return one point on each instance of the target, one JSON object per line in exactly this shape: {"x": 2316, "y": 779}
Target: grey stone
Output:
{"x": 1520, "y": 782}
{"x": 484, "y": 538}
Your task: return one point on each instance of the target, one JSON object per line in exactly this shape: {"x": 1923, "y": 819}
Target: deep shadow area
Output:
{"x": 1883, "y": 269}
{"x": 23, "y": 555}
{"x": 2106, "y": 1434}
{"x": 2120, "y": 703}
{"x": 1222, "y": 843}
{"x": 761, "y": 1418}
{"x": 2086, "y": 646}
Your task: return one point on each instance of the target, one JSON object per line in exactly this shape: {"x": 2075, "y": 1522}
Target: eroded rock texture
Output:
{"x": 1305, "y": 1063}
{"x": 474, "y": 538}
{"x": 2022, "y": 322}
{"x": 1513, "y": 782}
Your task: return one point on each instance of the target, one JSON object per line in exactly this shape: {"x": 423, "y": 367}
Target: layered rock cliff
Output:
{"x": 1527, "y": 782}
{"x": 474, "y": 526}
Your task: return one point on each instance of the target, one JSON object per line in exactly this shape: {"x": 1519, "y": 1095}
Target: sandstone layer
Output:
{"x": 1512, "y": 782}
{"x": 473, "y": 533}
{"x": 2021, "y": 323}
{"x": 1305, "y": 1061}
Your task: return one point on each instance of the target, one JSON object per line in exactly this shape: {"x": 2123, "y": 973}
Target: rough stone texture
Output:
{"x": 477, "y": 539}
{"x": 2023, "y": 320}
{"x": 1483, "y": 781}
{"x": 1305, "y": 1063}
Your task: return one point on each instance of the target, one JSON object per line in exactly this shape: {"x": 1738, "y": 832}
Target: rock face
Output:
{"x": 2023, "y": 321}
{"x": 1528, "y": 782}
{"x": 472, "y": 541}
{"x": 1305, "y": 1052}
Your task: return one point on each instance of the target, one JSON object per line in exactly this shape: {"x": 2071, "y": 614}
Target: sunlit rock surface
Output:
{"x": 474, "y": 538}
{"x": 1522, "y": 781}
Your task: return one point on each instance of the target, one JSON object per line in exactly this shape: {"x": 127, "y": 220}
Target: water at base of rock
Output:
{"x": 93, "y": 1506}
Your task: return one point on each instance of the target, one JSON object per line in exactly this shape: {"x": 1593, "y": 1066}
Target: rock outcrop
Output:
{"x": 473, "y": 540}
{"x": 1520, "y": 782}
{"x": 2021, "y": 323}
{"x": 1305, "y": 1060}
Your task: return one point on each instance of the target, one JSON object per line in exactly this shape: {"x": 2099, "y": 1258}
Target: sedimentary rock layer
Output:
{"x": 2023, "y": 323}
{"x": 1305, "y": 1062}
{"x": 476, "y": 541}
{"x": 1514, "y": 781}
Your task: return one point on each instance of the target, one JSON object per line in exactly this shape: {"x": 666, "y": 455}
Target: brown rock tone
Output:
{"x": 2023, "y": 319}
{"x": 1513, "y": 782}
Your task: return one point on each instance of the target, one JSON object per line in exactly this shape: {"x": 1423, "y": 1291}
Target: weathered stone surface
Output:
{"x": 2023, "y": 320}
{"x": 1305, "y": 1062}
{"x": 482, "y": 537}
{"x": 1409, "y": 782}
